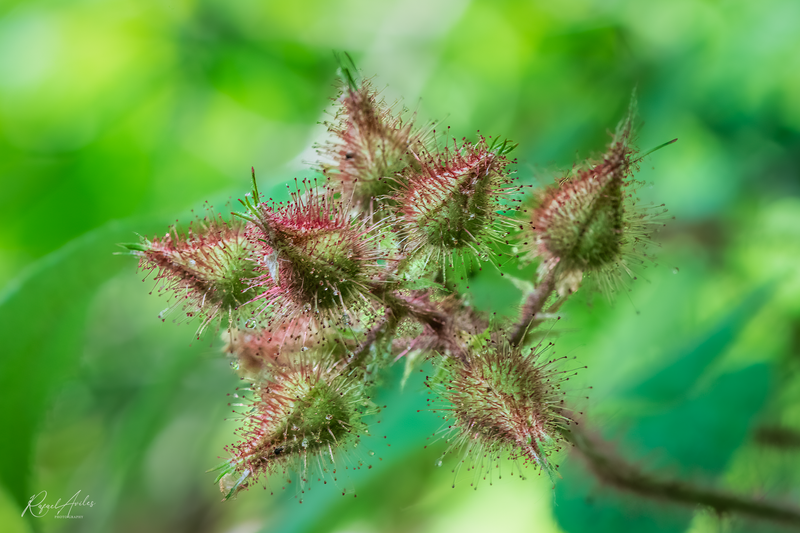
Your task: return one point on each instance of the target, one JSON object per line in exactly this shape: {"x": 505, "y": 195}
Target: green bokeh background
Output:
{"x": 117, "y": 117}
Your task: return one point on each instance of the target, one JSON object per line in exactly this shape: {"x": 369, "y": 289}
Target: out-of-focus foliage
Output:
{"x": 126, "y": 115}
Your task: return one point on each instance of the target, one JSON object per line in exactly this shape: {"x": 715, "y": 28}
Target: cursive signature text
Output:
{"x": 38, "y": 508}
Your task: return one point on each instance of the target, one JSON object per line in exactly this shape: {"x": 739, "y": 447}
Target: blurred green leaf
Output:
{"x": 44, "y": 310}
{"x": 707, "y": 429}
{"x": 704, "y": 433}
{"x": 687, "y": 366}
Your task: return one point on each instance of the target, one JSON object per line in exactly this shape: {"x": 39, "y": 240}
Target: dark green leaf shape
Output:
{"x": 694, "y": 440}
{"x": 676, "y": 380}
{"x": 689, "y": 436}
{"x": 583, "y": 506}
{"x": 700, "y": 434}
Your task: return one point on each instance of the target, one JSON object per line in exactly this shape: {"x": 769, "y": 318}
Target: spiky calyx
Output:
{"x": 370, "y": 147}
{"x": 208, "y": 267}
{"x": 451, "y": 203}
{"x": 591, "y": 223}
{"x": 580, "y": 222}
{"x": 317, "y": 256}
{"x": 298, "y": 419}
{"x": 502, "y": 401}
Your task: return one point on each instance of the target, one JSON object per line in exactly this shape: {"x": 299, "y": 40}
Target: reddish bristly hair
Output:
{"x": 371, "y": 144}
{"x": 317, "y": 259}
{"x": 454, "y": 203}
{"x": 206, "y": 268}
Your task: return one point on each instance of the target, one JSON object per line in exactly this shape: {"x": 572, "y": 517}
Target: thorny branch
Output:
{"x": 612, "y": 470}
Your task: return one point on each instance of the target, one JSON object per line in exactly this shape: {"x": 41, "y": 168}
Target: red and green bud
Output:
{"x": 318, "y": 258}
{"x": 590, "y": 223}
{"x": 372, "y": 145}
{"x": 299, "y": 419}
{"x": 207, "y": 268}
{"x": 451, "y": 204}
{"x": 501, "y": 401}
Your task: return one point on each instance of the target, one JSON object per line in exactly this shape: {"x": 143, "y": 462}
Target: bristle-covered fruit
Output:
{"x": 451, "y": 205}
{"x": 318, "y": 259}
{"x": 298, "y": 419}
{"x": 591, "y": 223}
{"x": 371, "y": 146}
{"x": 208, "y": 268}
{"x": 499, "y": 400}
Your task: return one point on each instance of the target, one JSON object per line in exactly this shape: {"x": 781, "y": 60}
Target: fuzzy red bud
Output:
{"x": 207, "y": 267}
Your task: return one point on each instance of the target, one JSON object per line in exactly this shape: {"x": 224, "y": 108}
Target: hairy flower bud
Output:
{"x": 370, "y": 148}
{"x": 318, "y": 257}
{"x": 591, "y": 223}
{"x": 502, "y": 401}
{"x": 257, "y": 349}
{"x": 298, "y": 419}
{"x": 207, "y": 267}
{"x": 450, "y": 204}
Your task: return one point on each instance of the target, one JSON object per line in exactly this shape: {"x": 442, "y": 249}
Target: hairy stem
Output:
{"x": 612, "y": 470}
{"x": 429, "y": 316}
{"x": 386, "y": 326}
{"x": 403, "y": 307}
{"x": 533, "y": 305}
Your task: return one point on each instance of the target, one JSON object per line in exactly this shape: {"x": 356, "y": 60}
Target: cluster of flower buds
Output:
{"x": 320, "y": 292}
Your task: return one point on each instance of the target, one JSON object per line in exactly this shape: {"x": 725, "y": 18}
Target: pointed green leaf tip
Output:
{"x": 657, "y": 148}
{"x": 250, "y": 202}
{"x": 230, "y": 485}
{"x": 134, "y": 247}
{"x": 348, "y": 69}
{"x": 256, "y": 194}
{"x": 502, "y": 147}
